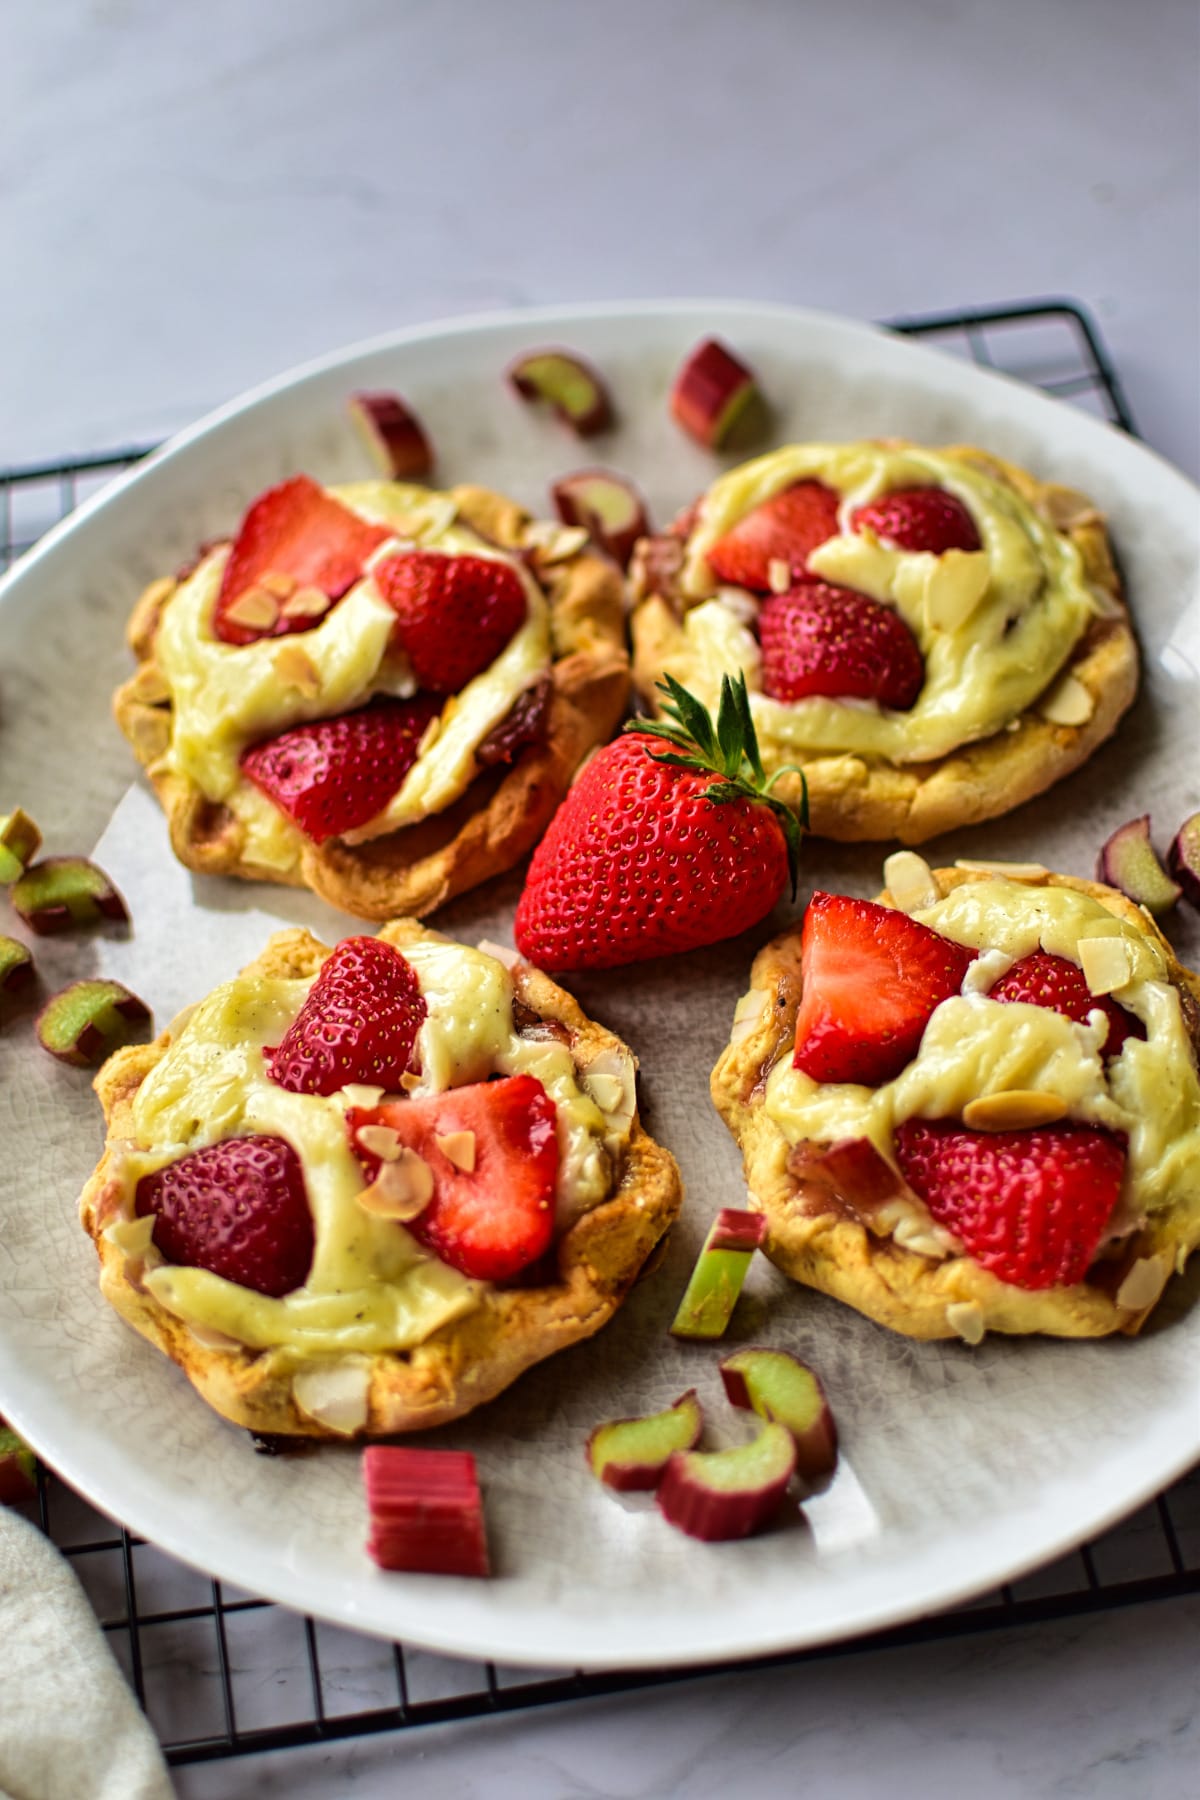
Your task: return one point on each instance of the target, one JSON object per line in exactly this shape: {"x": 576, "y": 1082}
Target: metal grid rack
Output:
{"x": 268, "y": 1679}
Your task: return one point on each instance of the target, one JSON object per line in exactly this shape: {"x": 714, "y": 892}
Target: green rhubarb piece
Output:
{"x": 16, "y": 966}
{"x": 720, "y": 1271}
{"x": 64, "y": 891}
{"x": 20, "y": 841}
{"x": 632, "y": 1453}
{"x": 565, "y": 382}
{"x": 780, "y": 1388}
{"x": 720, "y": 1494}
{"x": 1128, "y": 861}
{"x": 17, "y": 1468}
{"x": 89, "y": 1020}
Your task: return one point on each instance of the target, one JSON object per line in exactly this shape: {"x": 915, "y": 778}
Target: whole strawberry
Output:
{"x": 668, "y": 840}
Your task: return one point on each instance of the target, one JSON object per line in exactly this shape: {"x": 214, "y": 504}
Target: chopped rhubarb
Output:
{"x": 716, "y": 1280}
{"x": 16, "y": 966}
{"x": 393, "y": 434}
{"x": 783, "y": 1390}
{"x": 1183, "y": 859}
{"x": 88, "y": 1020}
{"x": 720, "y": 1494}
{"x": 17, "y": 1469}
{"x": 560, "y": 379}
{"x": 64, "y": 891}
{"x": 1128, "y": 861}
{"x": 712, "y": 391}
{"x": 632, "y": 1453}
{"x": 426, "y": 1511}
{"x": 20, "y": 841}
{"x": 607, "y": 506}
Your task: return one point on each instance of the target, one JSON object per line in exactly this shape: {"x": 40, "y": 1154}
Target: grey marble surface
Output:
{"x": 194, "y": 197}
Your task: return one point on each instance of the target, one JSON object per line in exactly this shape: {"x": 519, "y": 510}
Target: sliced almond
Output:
{"x": 277, "y": 583}
{"x": 429, "y": 737}
{"x": 502, "y": 953}
{"x": 149, "y": 685}
{"x": 605, "y": 1091}
{"x": 965, "y": 1319}
{"x": 335, "y": 1394}
{"x": 1016, "y": 1110}
{"x": 458, "y": 1147}
{"x": 954, "y": 587}
{"x": 1067, "y": 703}
{"x": 401, "y": 1190}
{"x": 380, "y": 1141}
{"x": 909, "y": 880}
{"x": 779, "y": 575}
{"x": 294, "y": 666}
{"x": 555, "y": 543}
{"x": 358, "y": 1093}
{"x": 1012, "y": 871}
{"x": 1067, "y": 509}
{"x": 132, "y": 1237}
{"x": 1105, "y": 964}
{"x": 305, "y": 603}
{"x": 410, "y": 1082}
{"x": 256, "y": 609}
{"x": 1144, "y": 1283}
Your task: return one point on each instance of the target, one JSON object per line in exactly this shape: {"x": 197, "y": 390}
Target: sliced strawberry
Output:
{"x": 455, "y": 613}
{"x": 492, "y": 1212}
{"x": 1052, "y": 981}
{"x": 332, "y": 775}
{"x": 871, "y": 977}
{"x": 921, "y": 518}
{"x": 1031, "y": 1206}
{"x": 359, "y": 1022}
{"x": 786, "y": 528}
{"x": 295, "y": 539}
{"x": 238, "y": 1209}
{"x": 821, "y": 639}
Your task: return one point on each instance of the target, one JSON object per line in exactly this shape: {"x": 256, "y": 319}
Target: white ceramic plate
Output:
{"x": 960, "y": 1469}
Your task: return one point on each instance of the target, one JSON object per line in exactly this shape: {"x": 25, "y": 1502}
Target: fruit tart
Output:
{"x": 377, "y": 691}
{"x": 973, "y": 1105}
{"x": 933, "y": 636}
{"x": 358, "y": 1191}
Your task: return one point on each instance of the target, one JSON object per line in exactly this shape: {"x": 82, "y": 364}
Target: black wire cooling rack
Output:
{"x": 261, "y": 1678}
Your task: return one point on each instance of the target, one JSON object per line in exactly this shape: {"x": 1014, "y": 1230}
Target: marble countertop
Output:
{"x": 196, "y": 197}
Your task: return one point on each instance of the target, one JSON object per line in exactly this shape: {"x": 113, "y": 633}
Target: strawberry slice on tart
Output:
{"x": 238, "y": 1208}
{"x": 454, "y": 614}
{"x": 785, "y": 529}
{"x": 924, "y": 518}
{"x": 821, "y": 639}
{"x": 334, "y": 775}
{"x": 359, "y": 1023}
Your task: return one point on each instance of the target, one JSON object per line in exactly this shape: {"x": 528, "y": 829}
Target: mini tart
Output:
{"x": 488, "y": 1333}
{"x": 497, "y": 813}
{"x": 934, "y": 1290}
{"x": 984, "y": 734}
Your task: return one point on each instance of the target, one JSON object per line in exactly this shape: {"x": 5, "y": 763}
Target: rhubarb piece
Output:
{"x": 17, "y": 1479}
{"x": 1128, "y": 861}
{"x": 716, "y": 1281}
{"x": 426, "y": 1511}
{"x": 785, "y": 1391}
{"x": 560, "y": 379}
{"x": 1183, "y": 859}
{"x": 16, "y": 966}
{"x": 64, "y": 891}
{"x": 632, "y": 1453}
{"x": 20, "y": 841}
{"x": 87, "y": 1021}
{"x": 712, "y": 391}
{"x": 394, "y": 436}
{"x": 607, "y": 506}
{"x": 720, "y": 1494}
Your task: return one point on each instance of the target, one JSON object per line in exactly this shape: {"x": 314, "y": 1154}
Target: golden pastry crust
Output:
{"x": 814, "y": 1243}
{"x": 853, "y": 798}
{"x": 464, "y": 1363}
{"x": 502, "y": 814}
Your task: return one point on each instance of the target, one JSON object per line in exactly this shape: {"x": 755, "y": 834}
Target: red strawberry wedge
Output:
{"x": 870, "y": 980}
{"x": 787, "y": 528}
{"x": 238, "y": 1209}
{"x": 454, "y": 613}
{"x": 333, "y": 775}
{"x": 821, "y": 639}
{"x": 1052, "y": 981}
{"x": 1031, "y": 1206}
{"x": 924, "y": 518}
{"x": 492, "y": 1149}
{"x": 668, "y": 840}
{"x": 358, "y": 1024}
{"x": 297, "y": 551}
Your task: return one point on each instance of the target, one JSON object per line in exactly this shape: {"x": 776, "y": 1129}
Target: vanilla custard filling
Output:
{"x": 973, "y": 1046}
{"x": 372, "y": 1286}
{"x": 994, "y": 626}
{"x": 227, "y": 696}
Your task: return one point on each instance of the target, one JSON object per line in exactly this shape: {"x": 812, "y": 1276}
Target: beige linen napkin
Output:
{"x": 69, "y": 1727}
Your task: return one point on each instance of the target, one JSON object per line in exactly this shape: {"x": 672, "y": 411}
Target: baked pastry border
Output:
{"x": 412, "y": 871}
{"x": 465, "y": 1362}
{"x": 837, "y": 1255}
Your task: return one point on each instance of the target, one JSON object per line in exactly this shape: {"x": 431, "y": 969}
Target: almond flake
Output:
{"x": 295, "y": 667}
{"x": 779, "y": 575}
{"x": 1144, "y": 1283}
{"x": 1067, "y": 509}
{"x": 306, "y": 603}
{"x": 429, "y": 737}
{"x": 1105, "y": 964}
{"x": 401, "y": 1190}
{"x": 965, "y": 1319}
{"x": 255, "y": 609}
{"x": 410, "y": 1082}
{"x": 909, "y": 880}
{"x": 381, "y": 1141}
{"x": 555, "y": 543}
{"x": 1012, "y": 871}
{"x": 1067, "y": 703}
{"x": 1016, "y": 1110}
{"x": 458, "y": 1147}
{"x": 358, "y": 1093}
{"x": 278, "y": 584}
{"x": 132, "y": 1237}
{"x": 953, "y": 588}
{"x": 605, "y": 1090}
